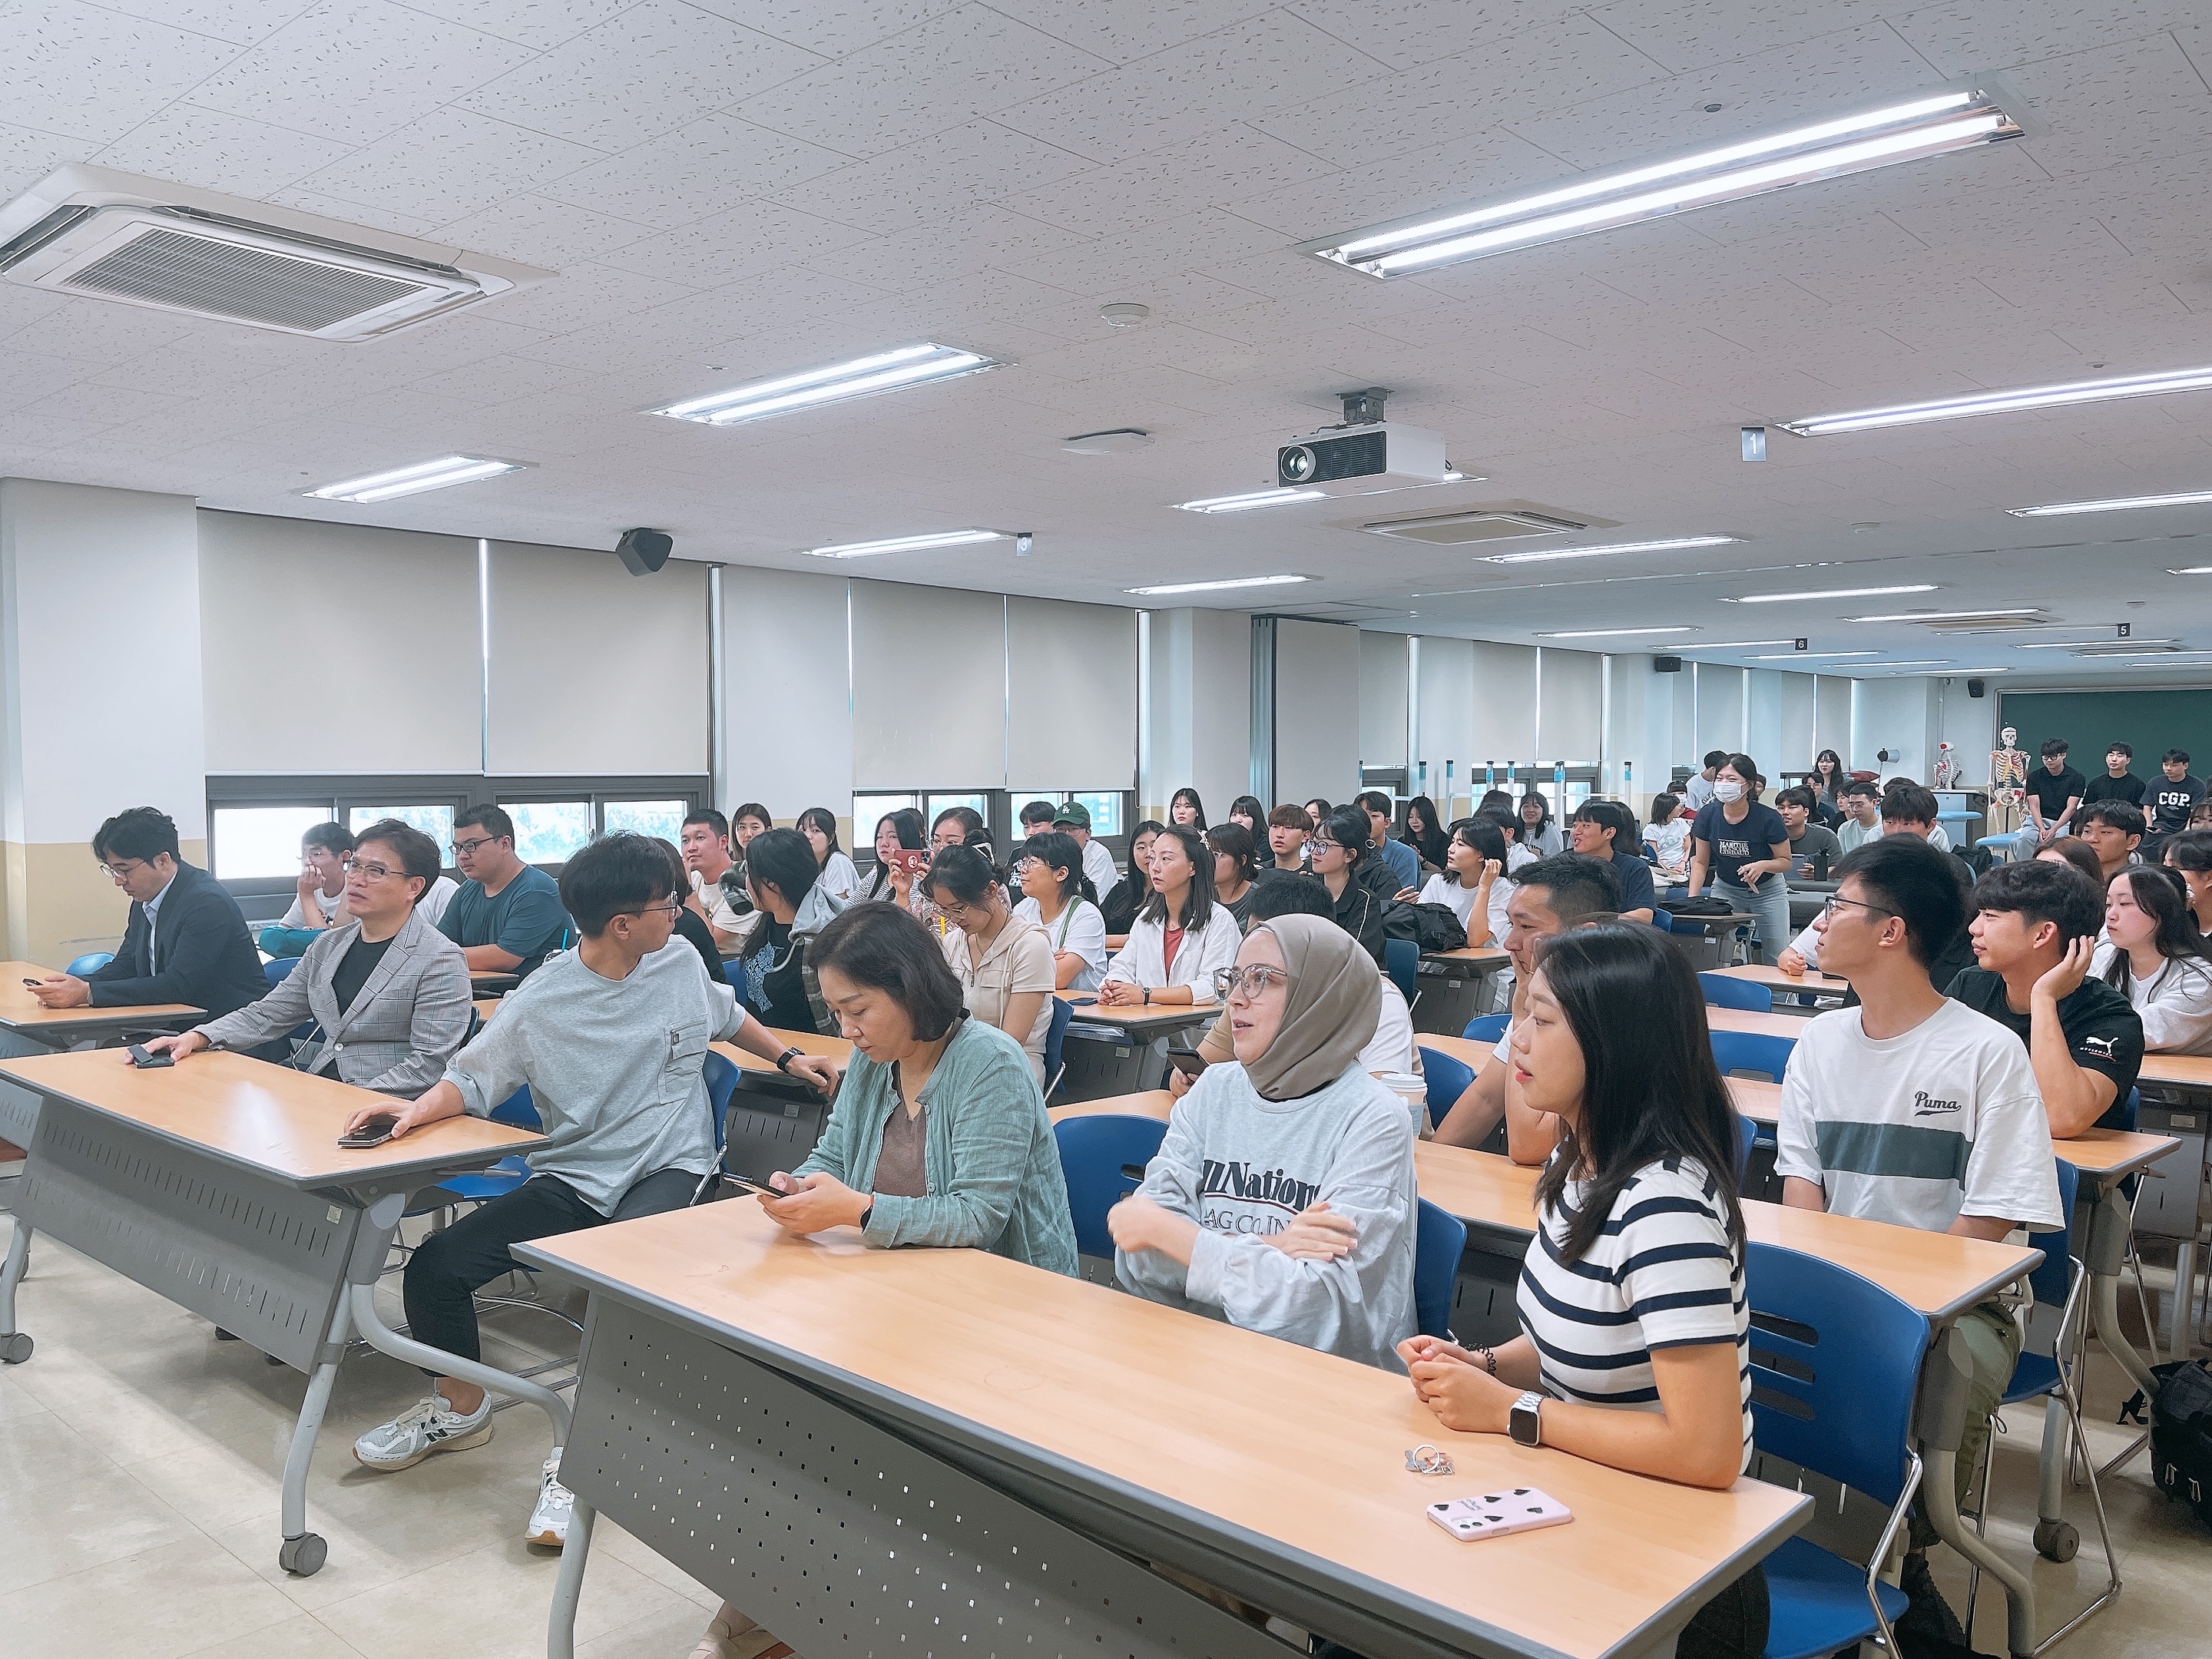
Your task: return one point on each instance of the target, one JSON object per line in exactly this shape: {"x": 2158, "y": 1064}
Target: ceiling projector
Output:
{"x": 1365, "y": 454}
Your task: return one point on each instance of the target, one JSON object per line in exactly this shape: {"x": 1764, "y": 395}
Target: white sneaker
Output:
{"x": 432, "y": 1426}
{"x": 751, "y": 1643}
{"x": 549, "y": 1520}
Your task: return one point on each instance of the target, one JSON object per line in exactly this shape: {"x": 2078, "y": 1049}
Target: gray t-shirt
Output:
{"x": 1817, "y": 839}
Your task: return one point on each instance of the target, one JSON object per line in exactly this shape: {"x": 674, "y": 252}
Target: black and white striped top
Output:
{"x": 1662, "y": 1275}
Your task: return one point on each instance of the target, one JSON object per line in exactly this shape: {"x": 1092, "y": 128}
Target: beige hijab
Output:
{"x": 1335, "y": 1002}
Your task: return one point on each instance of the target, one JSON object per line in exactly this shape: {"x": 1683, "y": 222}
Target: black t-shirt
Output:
{"x": 2127, "y": 786}
{"x": 1735, "y": 845}
{"x": 694, "y": 933}
{"x": 2052, "y": 790}
{"x": 354, "y": 968}
{"x": 2172, "y": 802}
{"x": 2103, "y": 1031}
{"x": 1635, "y": 876}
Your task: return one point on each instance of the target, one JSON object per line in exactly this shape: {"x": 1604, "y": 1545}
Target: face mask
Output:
{"x": 1725, "y": 790}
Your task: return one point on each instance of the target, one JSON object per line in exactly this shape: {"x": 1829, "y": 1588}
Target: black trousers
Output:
{"x": 447, "y": 1267}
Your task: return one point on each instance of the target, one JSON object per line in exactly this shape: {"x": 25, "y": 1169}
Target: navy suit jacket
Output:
{"x": 203, "y": 953}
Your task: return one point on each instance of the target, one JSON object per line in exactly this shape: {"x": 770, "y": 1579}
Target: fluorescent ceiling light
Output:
{"x": 1611, "y": 632}
{"x": 1896, "y": 132}
{"x": 906, "y": 543}
{"x": 2078, "y": 644}
{"x": 1834, "y": 593}
{"x": 2191, "y": 570}
{"x": 2124, "y": 503}
{"x": 2005, "y": 403}
{"x": 1618, "y": 547}
{"x": 2139, "y": 651}
{"x": 863, "y": 377}
{"x": 1726, "y": 645}
{"x": 1785, "y": 656}
{"x": 1913, "y": 662}
{"x": 1215, "y": 587}
{"x": 414, "y": 480}
{"x": 1256, "y": 498}
{"x": 1949, "y": 616}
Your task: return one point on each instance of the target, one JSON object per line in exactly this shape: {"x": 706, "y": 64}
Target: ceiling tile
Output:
{"x": 449, "y": 164}
{"x": 354, "y": 213}
{"x": 27, "y": 156}
{"x": 750, "y": 237}
{"x": 908, "y": 188}
{"x": 242, "y": 22}
{"x": 2118, "y": 104}
{"x": 712, "y": 163}
{"x": 1405, "y": 33}
{"x": 835, "y": 28}
{"x": 962, "y": 242}
{"x": 540, "y": 24}
{"x": 1959, "y": 37}
{"x": 1123, "y": 34}
{"x": 80, "y": 72}
{"x": 217, "y": 151}
{"x": 1173, "y": 181}
{"x": 541, "y": 232}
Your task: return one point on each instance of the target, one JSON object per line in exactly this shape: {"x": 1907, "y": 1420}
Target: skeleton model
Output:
{"x": 1946, "y": 769}
{"x": 2007, "y": 779}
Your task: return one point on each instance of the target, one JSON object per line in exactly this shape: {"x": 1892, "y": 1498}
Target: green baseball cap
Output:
{"x": 1074, "y": 812}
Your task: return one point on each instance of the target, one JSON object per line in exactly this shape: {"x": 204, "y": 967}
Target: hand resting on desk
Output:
{"x": 443, "y": 1100}
{"x": 185, "y": 1042}
{"x": 63, "y": 991}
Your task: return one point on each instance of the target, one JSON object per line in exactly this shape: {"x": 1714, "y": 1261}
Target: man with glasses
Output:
{"x": 508, "y": 916}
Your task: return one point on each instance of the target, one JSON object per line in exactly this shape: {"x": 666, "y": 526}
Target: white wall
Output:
{"x": 1201, "y": 709}
{"x": 1720, "y": 711}
{"x": 1447, "y": 724}
{"x": 1898, "y": 716}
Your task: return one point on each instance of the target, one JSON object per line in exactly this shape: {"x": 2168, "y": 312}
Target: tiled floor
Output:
{"x": 139, "y": 1461}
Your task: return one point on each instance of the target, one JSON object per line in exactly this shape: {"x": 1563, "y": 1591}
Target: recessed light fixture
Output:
{"x": 1929, "y": 125}
{"x": 1787, "y": 656}
{"x": 863, "y": 377}
{"x": 1216, "y": 587}
{"x": 2005, "y": 403}
{"x": 906, "y": 543}
{"x": 1948, "y": 615}
{"x": 1246, "y": 503}
{"x": 1834, "y": 593}
{"x": 1611, "y": 632}
{"x": 414, "y": 480}
{"x": 2138, "y": 651}
{"x": 1668, "y": 546}
{"x": 2121, "y": 504}
{"x": 2191, "y": 570}
{"x": 2076, "y": 645}
{"x": 1914, "y": 662}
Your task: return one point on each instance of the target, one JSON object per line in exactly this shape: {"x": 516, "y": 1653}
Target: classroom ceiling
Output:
{"x": 729, "y": 191}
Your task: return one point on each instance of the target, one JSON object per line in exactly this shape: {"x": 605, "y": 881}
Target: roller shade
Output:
{"x": 1316, "y": 710}
{"x": 1720, "y": 709}
{"x": 929, "y": 686}
{"x": 786, "y": 718}
{"x": 1447, "y": 717}
{"x": 337, "y": 648}
{"x": 1504, "y": 688}
{"x": 594, "y": 670}
{"x": 1071, "y": 695}
{"x": 1383, "y": 679}
{"x": 1571, "y": 716}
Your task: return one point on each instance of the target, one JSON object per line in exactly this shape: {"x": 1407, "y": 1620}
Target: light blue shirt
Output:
{"x": 152, "y": 907}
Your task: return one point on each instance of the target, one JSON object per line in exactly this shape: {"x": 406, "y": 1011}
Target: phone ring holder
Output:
{"x": 1426, "y": 1458}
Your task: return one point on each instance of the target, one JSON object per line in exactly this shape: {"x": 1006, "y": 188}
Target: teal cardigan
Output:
{"x": 990, "y": 1159}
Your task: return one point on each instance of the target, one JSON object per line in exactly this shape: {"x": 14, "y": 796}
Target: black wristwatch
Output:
{"x": 1527, "y": 1422}
{"x": 783, "y": 1060}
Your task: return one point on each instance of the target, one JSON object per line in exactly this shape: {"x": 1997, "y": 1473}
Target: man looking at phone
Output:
{"x": 611, "y": 1039}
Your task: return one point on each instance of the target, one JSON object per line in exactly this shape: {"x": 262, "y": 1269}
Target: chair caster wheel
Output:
{"x": 15, "y": 1349}
{"x": 2056, "y": 1540}
{"x": 303, "y": 1556}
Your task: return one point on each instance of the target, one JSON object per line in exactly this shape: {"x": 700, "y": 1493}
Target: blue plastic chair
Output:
{"x": 1401, "y": 960}
{"x": 1835, "y": 1362}
{"x": 1102, "y": 1155}
{"x": 278, "y": 970}
{"x": 1747, "y": 1137}
{"x": 1724, "y": 992}
{"x": 1439, "y": 1240}
{"x": 1486, "y": 1028}
{"x": 1752, "y": 1051}
{"x": 1055, "y": 1035}
{"x": 1663, "y": 921}
{"x": 519, "y": 1111}
{"x": 89, "y": 963}
{"x": 1447, "y": 1077}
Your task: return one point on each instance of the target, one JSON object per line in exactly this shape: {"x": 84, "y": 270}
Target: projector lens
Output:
{"x": 1296, "y": 465}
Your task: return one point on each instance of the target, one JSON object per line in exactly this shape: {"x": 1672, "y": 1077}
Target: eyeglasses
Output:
{"x": 117, "y": 871}
{"x": 463, "y": 848}
{"x": 369, "y": 871}
{"x": 1249, "y": 983}
{"x": 1322, "y": 844}
{"x": 1828, "y": 906}
{"x": 672, "y": 909}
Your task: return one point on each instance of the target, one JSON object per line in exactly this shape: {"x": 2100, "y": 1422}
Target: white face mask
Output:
{"x": 1725, "y": 790}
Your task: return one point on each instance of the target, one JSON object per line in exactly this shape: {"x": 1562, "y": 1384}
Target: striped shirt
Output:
{"x": 1662, "y": 1275}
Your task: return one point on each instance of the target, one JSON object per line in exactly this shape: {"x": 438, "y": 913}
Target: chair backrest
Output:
{"x": 90, "y": 963}
{"x": 1724, "y": 992}
{"x": 1752, "y": 1051}
{"x": 1835, "y": 1360}
{"x": 1663, "y": 921}
{"x": 1401, "y": 960}
{"x": 276, "y": 969}
{"x": 1055, "y": 1032}
{"x": 2055, "y": 1278}
{"x": 518, "y": 1111}
{"x": 1102, "y": 1156}
{"x": 722, "y": 1075}
{"x": 1439, "y": 1240}
{"x": 1746, "y": 1132}
{"x": 1447, "y": 1077}
{"x": 2120, "y": 1114}
{"x": 1487, "y": 1028}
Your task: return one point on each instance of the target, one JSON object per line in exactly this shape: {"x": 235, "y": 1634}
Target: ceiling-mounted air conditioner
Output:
{"x": 102, "y": 234}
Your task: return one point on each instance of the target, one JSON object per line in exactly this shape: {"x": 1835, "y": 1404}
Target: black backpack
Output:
{"x": 2180, "y": 1432}
{"x": 1431, "y": 927}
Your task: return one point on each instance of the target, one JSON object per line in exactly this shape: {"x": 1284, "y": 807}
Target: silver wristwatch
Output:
{"x": 1527, "y": 1420}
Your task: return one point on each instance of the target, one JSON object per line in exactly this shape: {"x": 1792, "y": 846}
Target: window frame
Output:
{"x": 1000, "y": 815}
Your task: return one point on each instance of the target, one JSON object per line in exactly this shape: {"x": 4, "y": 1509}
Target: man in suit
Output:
{"x": 186, "y": 939}
{"x": 387, "y": 991}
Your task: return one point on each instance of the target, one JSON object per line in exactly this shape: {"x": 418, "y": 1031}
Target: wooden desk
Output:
{"x": 1483, "y": 956}
{"x": 62, "y": 1027}
{"x": 1468, "y": 1052}
{"x": 1115, "y": 941}
{"x": 1152, "y": 1103}
{"x": 834, "y": 1049}
{"x": 1140, "y": 1018}
{"x": 1809, "y": 984}
{"x": 776, "y": 1369}
{"x": 218, "y": 1184}
{"x": 1742, "y": 1019}
{"x": 2181, "y": 1071}
{"x": 1454, "y": 987}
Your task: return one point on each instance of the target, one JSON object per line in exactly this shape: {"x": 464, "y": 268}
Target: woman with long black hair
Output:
{"x": 1425, "y": 834}
{"x": 2154, "y": 954}
{"x": 896, "y": 832}
{"x": 841, "y": 882}
{"x": 1182, "y": 936}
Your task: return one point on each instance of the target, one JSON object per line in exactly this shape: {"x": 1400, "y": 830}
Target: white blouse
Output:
{"x": 2175, "y": 1002}
{"x": 1141, "y": 960}
{"x": 1078, "y": 929}
{"x": 1446, "y": 890}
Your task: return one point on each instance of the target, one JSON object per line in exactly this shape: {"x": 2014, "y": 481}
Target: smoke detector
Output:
{"x": 1124, "y": 313}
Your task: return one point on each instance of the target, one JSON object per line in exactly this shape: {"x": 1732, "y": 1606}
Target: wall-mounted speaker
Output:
{"x": 644, "y": 552}
{"x": 1975, "y": 687}
{"x": 1666, "y": 665}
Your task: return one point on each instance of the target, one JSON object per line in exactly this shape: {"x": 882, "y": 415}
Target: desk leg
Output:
{"x": 2106, "y": 1250}
{"x": 2180, "y": 1315}
{"x": 568, "y": 1584}
{"x": 302, "y": 1552}
{"x": 1939, "y": 1416}
{"x": 14, "y": 1345}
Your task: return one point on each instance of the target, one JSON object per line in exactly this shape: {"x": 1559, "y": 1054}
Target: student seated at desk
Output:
{"x": 1185, "y": 808}
{"x": 388, "y": 993}
{"x": 938, "y": 1136}
{"x": 1035, "y": 817}
{"x": 1425, "y": 833}
{"x": 1906, "y": 810}
{"x": 839, "y": 881}
{"x": 1317, "y": 809}
{"x": 691, "y": 927}
{"x": 772, "y": 977}
{"x": 1809, "y": 841}
{"x": 1473, "y": 883}
{"x": 1635, "y": 1349}
{"x": 1057, "y": 898}
{"x": 1180, "y": 938}
{"x": 1003, "y": 964}
{"x": 2172, "y": 798}
{"x": 896, "y": 832}
{"x": 1282, "y": 1197}
{"x": 714, "y": 881}
{"x": 508, "y": 916}
{"x": 2155, "y": 956}
{"x": 611, "y": 1040}
{"x": 1551, "y": 896}
{"x": 2072, "y": 849}
{"x": 1235, "y": 872}
{"x": 1246, "y": 811}
{"x": 2034, "y": 935}
{"x": 1666, "y": 840}
{"x": 1913, "y": 1109}
{"x": 1533, "y": 832}
{"x": 2189, "y": 854}
{"x": 1862, "y": 801}
{"x": 1126, "y": 898}
{"x": 1605, "y": 829}
{"x": 320, "y": 902}
{"x": 2112, "y": 830}
{"x": 1073, "y": 820}
{"x": 1361, "y": 885}
{"x": 1289, "y": 829}
{"x": 1403, "y": 863}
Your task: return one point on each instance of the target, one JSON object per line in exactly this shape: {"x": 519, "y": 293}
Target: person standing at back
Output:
{"x": 1742, "y": 847}
{"x": 507, "y": 917}
{"x": 2172, "y": 798}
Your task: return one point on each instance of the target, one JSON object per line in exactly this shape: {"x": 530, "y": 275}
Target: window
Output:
{"x": 870, "y": 810}
{"x": 664, "y": 819}
{"x": 1105, "y": 809}
{"x": 436, "y": 822}
{"x": 549, "y": 832}
{"x": 979, "y": 804}
{"x": 251, "y": 843}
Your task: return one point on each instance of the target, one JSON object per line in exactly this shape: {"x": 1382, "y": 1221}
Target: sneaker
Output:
{"x": 432, "y": 1426}
{"x": 1929, "y": 1623}
{"x": 549, "y": 1520}
{"x": 752, "y": 1642}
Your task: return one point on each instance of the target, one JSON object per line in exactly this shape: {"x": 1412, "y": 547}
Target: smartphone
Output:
{"x": 1083, "y": 1002}
{"x": 372, "y": 1132}
{"x": 750, "y": 1185}
{"x": 144, "y": 1058}
{"x": 912, "y": 859}
{"x": 1524, "y": 1509}
{"x": 34, "y": 983}
{"x": 1188, "y": 1061}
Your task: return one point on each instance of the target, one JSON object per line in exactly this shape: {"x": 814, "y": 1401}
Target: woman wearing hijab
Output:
{"x": 1282, "y": 1198}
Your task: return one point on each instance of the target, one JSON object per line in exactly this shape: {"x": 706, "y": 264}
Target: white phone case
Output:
{"x": 1524, "y": 1508}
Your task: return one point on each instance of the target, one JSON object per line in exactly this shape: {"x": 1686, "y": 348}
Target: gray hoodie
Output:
{"x": 1241, "y": 1166}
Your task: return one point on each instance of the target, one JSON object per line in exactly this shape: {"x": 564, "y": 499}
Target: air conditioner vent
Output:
{"x": 1480, "y": 524}
{"x": 201, "y": 273}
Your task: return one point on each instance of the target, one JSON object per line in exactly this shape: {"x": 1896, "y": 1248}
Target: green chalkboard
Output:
{"x": 2153, "y": 722}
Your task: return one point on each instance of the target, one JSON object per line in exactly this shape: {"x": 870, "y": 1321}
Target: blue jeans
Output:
{"x": 2024, "y": 843}
{"x": 1768, "y": 904}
